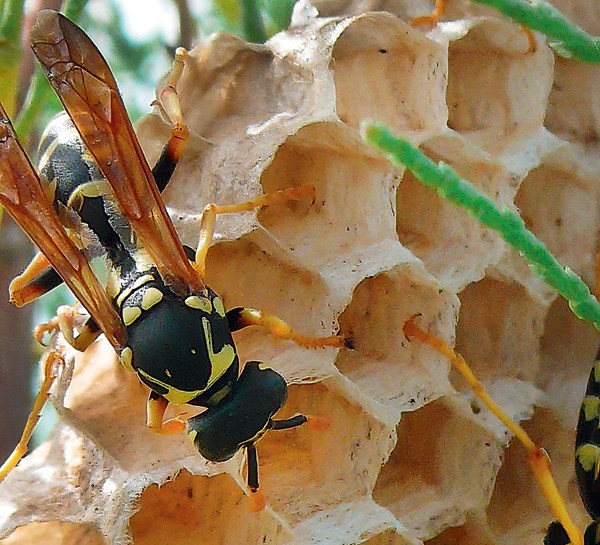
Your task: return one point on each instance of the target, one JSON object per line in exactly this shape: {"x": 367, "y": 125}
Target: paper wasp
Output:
{"x": 163, "y": 321}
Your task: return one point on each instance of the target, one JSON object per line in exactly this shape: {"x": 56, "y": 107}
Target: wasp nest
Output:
{"x": 410, "y": 455}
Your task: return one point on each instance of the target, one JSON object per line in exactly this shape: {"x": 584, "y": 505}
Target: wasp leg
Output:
{"x": 433, "y": 18}
{"x": 288, "y": 423}
{"x": 168, "y": 103}
{"x": 538, "y": 458}
{"x": 64, "y": 322}
{"x": 240, "y": 317}
{"x": 155, "y": 413}
{"x": 257, "y": 499}
{"x": 207, "y": 225}
{"x": 50, "y": 362}
{"x": 38, "y": 278}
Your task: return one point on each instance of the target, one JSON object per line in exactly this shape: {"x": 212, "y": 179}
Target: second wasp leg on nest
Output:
{"x": 538, "y": 458}
{"x": 169, "y": 105}
{"x": 51, "y": 361}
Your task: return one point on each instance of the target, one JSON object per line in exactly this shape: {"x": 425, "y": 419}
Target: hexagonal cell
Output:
{"x": 386, "y": 71}
{"x": 568, "y": 349}
{"x": 453, "y": 245}
{"x": 492, "y": 96}
{"x": 442, "y": 468}
{"x": 398, "y": 374}
{"x": 572, "y": 216}
{"x": 178, "y": 513}
{"x": 499, "y": 331}
{"x": 295, "y": 294}
{"x": 304, "y": 470}
{"x": 333, "y": 160}
{"x": 470, "y": 533}
{"x": 573, "y": 106}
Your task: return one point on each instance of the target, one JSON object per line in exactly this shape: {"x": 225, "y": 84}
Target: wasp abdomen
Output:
{"x": 75, "y": 183}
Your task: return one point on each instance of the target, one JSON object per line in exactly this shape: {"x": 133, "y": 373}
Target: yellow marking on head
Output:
{"x": 590, "y": 406}
{"x": 200, "y": 303}
{"x": 589, "y": 458}
{"x": 220, "y": 361}
{"x": 173, "y": 395}
{"x": 151, "y": 297}
{"x": 131, "y": 314}
{"x": 168, "y": 373}
{"x": 126, "y": 358}
{"x": 144, "y": 279}
{"x": 263, "y": 366}
{"x": 219, "y": 306}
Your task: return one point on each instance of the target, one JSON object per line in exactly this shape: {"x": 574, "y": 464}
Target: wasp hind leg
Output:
{"x": 433, "y": 18}
{"x": 51, "y": 361}
{"x": 240, "y": 317}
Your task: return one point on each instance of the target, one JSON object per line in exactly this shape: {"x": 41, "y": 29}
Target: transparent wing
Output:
{"x": 23, "y": 196}
{"x": 85, "y": 85}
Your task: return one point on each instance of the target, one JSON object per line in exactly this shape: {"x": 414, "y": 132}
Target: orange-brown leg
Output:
{"x": 51, "y": 361}
{"x": 433, "y": 18}
{"x": 538, "y": 458}
{"x": 239, "y": 318}
{"x": 209, "y": 215}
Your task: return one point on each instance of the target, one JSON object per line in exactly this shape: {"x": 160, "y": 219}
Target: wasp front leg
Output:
{"x": 65, "y": 321}
{"x": 241, "y": 317}
{"x": 155, "y": 414}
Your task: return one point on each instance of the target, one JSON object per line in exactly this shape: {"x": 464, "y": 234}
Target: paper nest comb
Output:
{"x": 410, "y": 455}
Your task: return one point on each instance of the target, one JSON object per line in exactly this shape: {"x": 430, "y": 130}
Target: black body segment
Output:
{"x": 241, "y": 418}
{"x": 180, "y": 347}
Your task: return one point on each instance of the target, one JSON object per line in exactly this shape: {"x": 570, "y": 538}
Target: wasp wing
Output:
{"x": 85, "y": 85}
{"x": 24, "y": 198}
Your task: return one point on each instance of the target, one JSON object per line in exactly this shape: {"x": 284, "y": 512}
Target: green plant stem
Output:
{"x": 252, "y": 22}
{"x": 505, "y": 221}
{"x": 545, "y": 18}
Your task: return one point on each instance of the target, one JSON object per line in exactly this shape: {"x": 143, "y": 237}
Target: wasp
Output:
{"x": 161, "y": 318}
{"x": 587, "y": 463}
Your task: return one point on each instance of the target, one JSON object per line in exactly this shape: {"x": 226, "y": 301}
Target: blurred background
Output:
{"x": 138, "y": 39}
